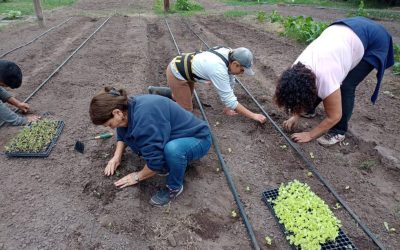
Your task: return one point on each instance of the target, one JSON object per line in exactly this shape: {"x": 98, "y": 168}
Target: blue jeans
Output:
{"x": 179, "y": 152}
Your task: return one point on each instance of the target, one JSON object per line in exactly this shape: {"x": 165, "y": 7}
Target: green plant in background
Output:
{"x": 396, "y": 66}
{"x": 303, "y": 29}
{"x": 361, "y": 11}
{"x": 185, "y": 5}
{"x": 261, "y": 16}
{"x": 34, "y": 138}
{"x": 26, "y": 6}
{"x": 305, "y": 216}
{"x": 275, "y": 17}
{"x": 12, "y": 14}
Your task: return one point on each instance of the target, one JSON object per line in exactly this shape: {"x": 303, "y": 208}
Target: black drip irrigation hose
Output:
{"x": 224, "y": 166}
{"x": 61, "y": 65}
{"x": 34, "y": 39}
{"x": 309, "y": 164}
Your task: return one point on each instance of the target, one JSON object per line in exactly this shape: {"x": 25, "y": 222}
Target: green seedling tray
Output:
{"x": 44, "y": 153}
{"x": 342, "y": 242}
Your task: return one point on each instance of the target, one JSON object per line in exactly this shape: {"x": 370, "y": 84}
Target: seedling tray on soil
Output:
{"x": 342, "y": 242}
{"x": 44, "y": 153}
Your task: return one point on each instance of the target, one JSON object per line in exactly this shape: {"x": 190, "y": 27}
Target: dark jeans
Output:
{"x": 348, "y": 92}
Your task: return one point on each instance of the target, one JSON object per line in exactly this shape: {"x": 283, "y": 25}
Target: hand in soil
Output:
{"x": 260, "y": 118}
{"x": 126, "y": 181}
{"x": 24, "y": 107}
{"x": 32, "y": 118}
{"x": 291, "y": 123}
{"x": 301, "y": 137}
{"x": 112, "y": 166}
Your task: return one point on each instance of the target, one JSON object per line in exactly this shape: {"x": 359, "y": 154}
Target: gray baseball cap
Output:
{"x": 245, "y": 58}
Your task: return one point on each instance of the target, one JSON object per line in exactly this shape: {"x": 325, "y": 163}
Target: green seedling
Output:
{"x": 347, "y": 187}
{"x": 268, "y": 241}
{"x": 389, "y": 229}
{"x": 229, "y": 150}
{"x": 305, "y": 216}
{"x": 34, "y": 138}
{"x": 233, "y": 214}
{"x": 283, "y": 146}
{"x": 216, "y": 124}
{"x": 247, "y": 189}
{"x": 367, "y": 165}
{"x": 217, "y": 170}
{"x": 312, "y": 155}
{"x": 310, "y": 174}
{"x": 337, "y": 206}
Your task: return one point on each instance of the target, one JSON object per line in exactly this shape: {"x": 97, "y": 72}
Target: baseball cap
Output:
{"x": 245, "y": 58}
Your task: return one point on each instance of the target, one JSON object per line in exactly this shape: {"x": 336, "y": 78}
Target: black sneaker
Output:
{"x": 164, "y": 196}
{"x": 163, "y": 91}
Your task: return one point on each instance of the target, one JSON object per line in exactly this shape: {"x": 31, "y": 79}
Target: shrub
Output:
{"x": 261, "y": 16}
{"x": 13, "y": 14}
{"x": 185, "y": 5}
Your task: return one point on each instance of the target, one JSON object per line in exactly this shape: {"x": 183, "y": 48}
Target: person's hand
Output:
{"x": 230, "y": 112}
{"x": 126, "y": 181}
{"x": 112, "y": 166}
{"x": 291, "y": 123}
{"x": 32, "y": 118}
{"x": 260, "y": 118}
{"x": 24, "y": 107}
{"x": 302, "y": 137}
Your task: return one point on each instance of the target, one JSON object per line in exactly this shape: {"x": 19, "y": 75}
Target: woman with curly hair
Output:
{"x": 329, "y": 70}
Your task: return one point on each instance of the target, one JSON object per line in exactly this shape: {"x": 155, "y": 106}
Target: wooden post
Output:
{"x": 166, "y": 5}
{"x": 39, "y": 13}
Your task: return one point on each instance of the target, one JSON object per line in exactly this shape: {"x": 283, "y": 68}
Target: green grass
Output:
{"x": 26, "y": 6}
{"x": 236, "y": 13}
{"x": 194, "y": 8}
{"x": 327, "y": 3}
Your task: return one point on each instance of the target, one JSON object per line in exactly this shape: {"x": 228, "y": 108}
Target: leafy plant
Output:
{"x": 275, "y": 17}
{"x": 261, "y": 16}
{"x": 13, "y": 14}
{"x": 303, "y": 29}
{"x": 185, "y": 5}
{"x": 305, "y": 216}
{"x": 367, "y": 165}
{"x": 396, "y": 66}
{"x": 34, "y": 138}
{"x": 361, "y": 11}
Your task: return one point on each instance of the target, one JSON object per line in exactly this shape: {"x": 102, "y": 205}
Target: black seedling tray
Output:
{"x": 44, "y": 153}
{"x": 342, "y": 242}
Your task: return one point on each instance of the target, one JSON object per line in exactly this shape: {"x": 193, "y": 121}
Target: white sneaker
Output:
{"x": 330, "y": 139}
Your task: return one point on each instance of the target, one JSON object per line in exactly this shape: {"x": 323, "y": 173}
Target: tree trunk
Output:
{"x": 166, "y": 5}
{"x": 38, "y": 11}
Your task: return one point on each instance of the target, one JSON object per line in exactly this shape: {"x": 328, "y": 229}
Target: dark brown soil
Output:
{"x": 65, "y": 201}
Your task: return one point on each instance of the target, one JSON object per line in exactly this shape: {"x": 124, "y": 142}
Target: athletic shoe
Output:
{"x": 164, "y": 196}
{"x": 330, "y": 139}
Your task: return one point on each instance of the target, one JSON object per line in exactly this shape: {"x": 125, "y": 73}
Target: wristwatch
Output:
{"x": 135, "y": 177}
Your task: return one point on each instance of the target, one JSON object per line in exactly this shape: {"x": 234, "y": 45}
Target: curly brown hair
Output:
{"x": 296, "y": 91}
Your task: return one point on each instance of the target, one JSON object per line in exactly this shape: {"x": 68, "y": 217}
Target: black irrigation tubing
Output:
{"x": 34, "y": 39}
{"x": 62, "y": 64}
{"x": 224, "y": 166}
{"x": 309, "y": 164}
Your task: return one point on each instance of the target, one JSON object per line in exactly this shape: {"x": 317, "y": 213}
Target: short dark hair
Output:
{"x": 10, "y": 74}
{"x": 296, "y": 91}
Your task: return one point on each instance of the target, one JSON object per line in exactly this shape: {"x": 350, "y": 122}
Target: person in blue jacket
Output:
{"x": 329, "y": 70}
{"x": 155, "y": 127}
